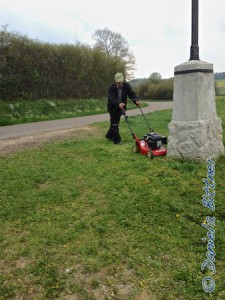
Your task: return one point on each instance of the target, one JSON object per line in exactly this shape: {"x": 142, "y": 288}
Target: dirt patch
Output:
{"x": 114, "y": 284}
{"x": 14, "y": 145}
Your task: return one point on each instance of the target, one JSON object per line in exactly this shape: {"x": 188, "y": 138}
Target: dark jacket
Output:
{"x": 113, "y": 101}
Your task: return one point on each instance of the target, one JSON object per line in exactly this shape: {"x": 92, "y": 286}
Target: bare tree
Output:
{"x": 155, "y": 77}
{"x": 114, "y": 45}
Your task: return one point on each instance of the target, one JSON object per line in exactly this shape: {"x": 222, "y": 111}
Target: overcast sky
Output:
{"x": 158, "y": 31}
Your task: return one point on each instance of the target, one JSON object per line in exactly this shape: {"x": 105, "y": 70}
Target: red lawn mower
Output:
{"x": 151, "y": 144}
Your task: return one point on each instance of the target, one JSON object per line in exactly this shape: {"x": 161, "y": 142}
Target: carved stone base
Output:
{"x": 195, "y": 139}
{"x": 195, "y": 131}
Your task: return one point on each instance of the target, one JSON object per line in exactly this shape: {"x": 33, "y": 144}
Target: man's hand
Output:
{"x": 138, "y": 103}
{"x": 121, "y": 105}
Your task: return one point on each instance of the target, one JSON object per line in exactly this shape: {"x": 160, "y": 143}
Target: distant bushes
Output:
{"x": 34, "y": 70}
{"x": 159, "y": 89}
{"x": 162, "y": 89}
{"x": 219, "y": 76}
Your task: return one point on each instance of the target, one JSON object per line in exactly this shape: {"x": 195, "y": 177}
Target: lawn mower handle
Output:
{"x": 145, "y": 119}
{"x": 126, "y": 119}
{"x": 142, "y": 114}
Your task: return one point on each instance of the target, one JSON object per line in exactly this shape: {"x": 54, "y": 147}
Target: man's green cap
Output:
{"x": 119, "y": 77}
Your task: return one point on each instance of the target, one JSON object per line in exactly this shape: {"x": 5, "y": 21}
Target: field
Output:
{"x": 85, "y": 219}
{"x": 220, "y": 87}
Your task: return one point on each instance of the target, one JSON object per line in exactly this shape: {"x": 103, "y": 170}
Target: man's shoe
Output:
{"x": 109, "y": 135}
{"x": 116, "y": 140}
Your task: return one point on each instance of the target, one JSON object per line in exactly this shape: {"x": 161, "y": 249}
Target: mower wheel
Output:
{"x": 150, "y": 154}
{"x": 135, "y": 149}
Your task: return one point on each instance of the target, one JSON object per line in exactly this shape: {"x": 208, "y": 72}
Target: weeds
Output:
{"x": 18, "y": 112}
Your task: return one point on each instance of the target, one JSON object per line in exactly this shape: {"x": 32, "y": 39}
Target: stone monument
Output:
{"x": 195, "y": 131}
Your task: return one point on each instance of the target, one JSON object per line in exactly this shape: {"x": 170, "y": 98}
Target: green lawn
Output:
{"x": 87, "y": 219}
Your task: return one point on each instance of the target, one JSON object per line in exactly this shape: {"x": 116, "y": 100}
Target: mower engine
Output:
{"x": 151, "y": 144}
{"x": 154, "y": 141}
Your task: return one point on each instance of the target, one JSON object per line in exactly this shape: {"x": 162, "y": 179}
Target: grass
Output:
{"x": 220, "y": 87}
{"x": 18, "y": 112}
{"x": 86, "y": 219}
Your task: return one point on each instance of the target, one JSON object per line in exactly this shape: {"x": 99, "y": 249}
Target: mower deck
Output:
{"x": 151, "y": 144}
{"x": 142, "y": 146}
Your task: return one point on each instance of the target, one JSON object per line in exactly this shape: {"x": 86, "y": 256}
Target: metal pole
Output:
{"x": 194, "y": 32}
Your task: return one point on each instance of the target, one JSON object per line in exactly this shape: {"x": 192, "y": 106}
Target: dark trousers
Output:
{"x": 113, "y": 132}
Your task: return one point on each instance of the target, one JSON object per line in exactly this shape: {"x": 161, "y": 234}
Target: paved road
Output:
{"x": 44, "y": 126}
